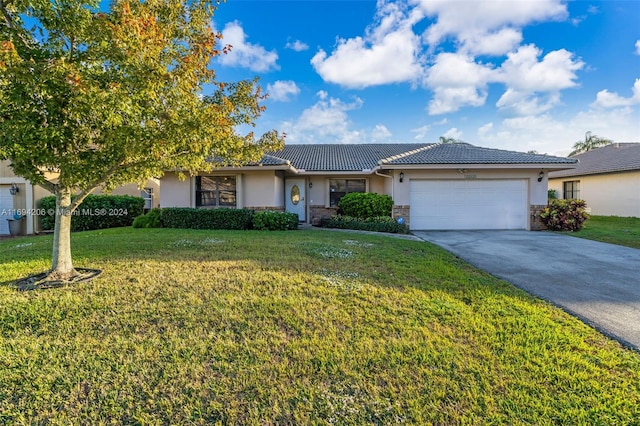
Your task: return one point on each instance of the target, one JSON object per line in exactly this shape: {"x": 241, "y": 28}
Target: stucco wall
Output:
{"x": 612, "y": 194}
{"x": 175, "y": 192}
{"x": 133, "y": 190}
{"x": 5, "y": 170}
{"x": 261, "y": 189}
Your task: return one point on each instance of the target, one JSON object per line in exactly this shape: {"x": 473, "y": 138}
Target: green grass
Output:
{"x": 623, "y": 231}
{"x": 304, "y": 327}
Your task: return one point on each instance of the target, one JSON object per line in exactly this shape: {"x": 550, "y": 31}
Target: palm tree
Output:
{"x": 590, "y": 142}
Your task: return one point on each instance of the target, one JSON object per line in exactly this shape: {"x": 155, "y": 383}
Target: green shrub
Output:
{"x": 96, "y": 212}
{"x": 552, "y": 194}
{"x": 275, "y": 221}
{"x": 149, "y": 220}
{"x": 190, "y": 218}
{"x": 365, "y": 204}
{"x": 375, "y": 223}
{"x": 564, "y": 215}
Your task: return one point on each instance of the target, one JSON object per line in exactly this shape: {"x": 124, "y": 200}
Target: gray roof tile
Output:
{"x": 616, "y": 157}
{"x": 464, "y": 153}
{"x": 328, "y": 157}
{"x": 358, "y": 157}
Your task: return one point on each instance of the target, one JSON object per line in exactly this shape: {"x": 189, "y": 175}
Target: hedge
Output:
{"x": 191, "y": 218}
{"x": 376, "y": 224}
{"x": 365, "y": 204}
{"x": 96, "y": 212}
{"x": 149, "y": 220}
{"x": 275, "y": 221}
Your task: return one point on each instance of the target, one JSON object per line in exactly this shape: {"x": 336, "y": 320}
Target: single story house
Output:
{"x": 607, "y": 178}
{"x": 18, "y": 195}
{"x": 434, "y": 186}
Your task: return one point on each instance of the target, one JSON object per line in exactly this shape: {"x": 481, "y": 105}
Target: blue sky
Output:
{"x": 519, "y": 75}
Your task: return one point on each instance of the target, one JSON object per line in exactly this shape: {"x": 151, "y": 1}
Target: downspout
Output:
{"x": 392, "y": 186}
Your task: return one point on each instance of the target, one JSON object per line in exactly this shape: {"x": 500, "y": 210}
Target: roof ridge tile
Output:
{"x": 407, "y": 153}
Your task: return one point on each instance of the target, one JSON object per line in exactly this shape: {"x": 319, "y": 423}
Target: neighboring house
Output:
{"x": 18, "y": 195}
{"x": 607, "y": 178}
{"x": 434, "y": 186}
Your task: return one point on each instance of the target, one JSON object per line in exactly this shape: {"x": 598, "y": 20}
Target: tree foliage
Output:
{"x": 93, "y": 96}
{"x": 590, "y": 142}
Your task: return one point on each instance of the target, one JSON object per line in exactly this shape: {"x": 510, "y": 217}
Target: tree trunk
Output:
{"x": 62, "y": 266}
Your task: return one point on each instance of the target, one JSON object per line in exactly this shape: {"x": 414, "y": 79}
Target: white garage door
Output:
{"x": 468, "y": 204}
{"x": 6, "y": 205}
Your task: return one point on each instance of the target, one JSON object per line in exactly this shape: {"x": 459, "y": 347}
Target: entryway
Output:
{"x": 295, "y": 198}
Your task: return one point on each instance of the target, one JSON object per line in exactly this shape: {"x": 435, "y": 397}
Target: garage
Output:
{"x": 468, "y": 204}
{"x": 6, "y": 207}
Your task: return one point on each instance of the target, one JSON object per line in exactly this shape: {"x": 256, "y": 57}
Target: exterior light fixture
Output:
{"x": 401, "y": 177}
{"x": 541, "y": 176}
{"x": 310, "y": 184}
{"x": 14, "y": 189}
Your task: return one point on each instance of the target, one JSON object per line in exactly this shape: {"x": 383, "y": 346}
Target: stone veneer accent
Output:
{"x": 535, "y": 221}
{"x": 401, "y": 211}
{"x": 317, "y": 213}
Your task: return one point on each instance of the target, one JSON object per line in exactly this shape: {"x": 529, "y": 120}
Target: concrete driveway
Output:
{"x": 597, "y": 282}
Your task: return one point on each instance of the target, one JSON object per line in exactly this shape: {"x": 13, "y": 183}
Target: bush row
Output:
{"x": 365, "y": 204}
{"x": 96, "y": 212}
{"x": 564, "y": 215}
{"x": 239, "y": 219}
{"x": 376, "y": 224}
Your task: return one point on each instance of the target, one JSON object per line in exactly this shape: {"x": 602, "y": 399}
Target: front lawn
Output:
{"x": 298, "y": 327}
{"x": 623, "y": 231}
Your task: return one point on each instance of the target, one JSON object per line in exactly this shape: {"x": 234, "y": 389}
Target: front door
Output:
{"x": 295, "y": 198}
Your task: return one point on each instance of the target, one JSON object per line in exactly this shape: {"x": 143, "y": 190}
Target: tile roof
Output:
{"x": 464, "y": 153}
{"x": 616, "y": 157}
{"x": 358, "y": 157}
{"x": 329, "y": 157}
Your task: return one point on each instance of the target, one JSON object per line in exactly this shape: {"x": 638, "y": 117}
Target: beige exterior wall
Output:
{"x": 5, "y": 170}
{"x": 133, "y": 190}
{"x": 175, "y": 192}
{"x": 261, "y": 189}
{"x": 611, "y": 194}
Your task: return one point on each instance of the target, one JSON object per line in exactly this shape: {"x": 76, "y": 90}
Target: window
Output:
{"x": 338, "y": 188}
{"x": 571, "y": 189}
{"x": 215, "y": 191}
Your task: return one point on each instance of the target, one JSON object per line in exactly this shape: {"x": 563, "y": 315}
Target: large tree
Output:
{"x": 590, "y": 142}
{"x": 98, "y": 94}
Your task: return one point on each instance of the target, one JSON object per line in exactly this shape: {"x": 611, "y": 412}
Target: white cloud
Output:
{"x": 380, "y": 133}
{"x": 485, "y": 129}
{"x": 554, "y": 135}
{"x": 297, "y": 45}
{"x": 453, "y": 133}
{"x": 388, "y": 53}
{"x": 533, "y": 86}
{"x": 421, "y": 132}
{"x": 282, "y": 90}
{"x": 245, "y": 54}
{"x": 326, "y": 121}
{"x": 606, "y": 99}
{"x": 556, "y": 71}
{"x": 457, "y": 81}
{"x": 471, "y": 22}
{"x": 638, "y": 47}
